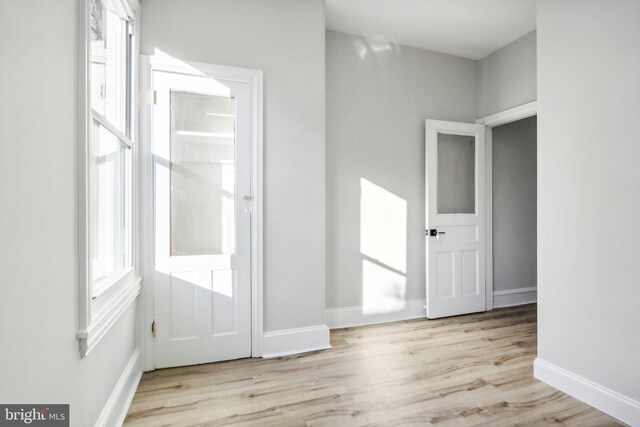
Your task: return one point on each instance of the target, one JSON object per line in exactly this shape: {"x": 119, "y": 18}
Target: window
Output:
{"x": 110, "y": 208}
{"x": 110, "y": 55}
{"x": 110, "y": 150}
{"x": 108, "y": 280}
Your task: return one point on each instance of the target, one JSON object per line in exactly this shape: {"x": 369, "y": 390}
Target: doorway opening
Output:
{"x": 511, "y": 206}
{"x": 514, "y": 206}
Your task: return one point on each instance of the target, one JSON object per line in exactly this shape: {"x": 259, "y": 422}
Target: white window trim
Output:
{"x": 98, "y": 313}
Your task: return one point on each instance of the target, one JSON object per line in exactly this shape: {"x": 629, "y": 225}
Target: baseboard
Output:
{"x": 117, "y": 406}
{"x": 293, "y": 341}
{"x": 511, "y": 297}
{"x": 346, "y": 317}
{"x": 608, "y": 401}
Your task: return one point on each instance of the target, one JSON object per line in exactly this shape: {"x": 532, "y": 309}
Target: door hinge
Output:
{"x": 154, "y": 97}
{"x": 153, "y": 329}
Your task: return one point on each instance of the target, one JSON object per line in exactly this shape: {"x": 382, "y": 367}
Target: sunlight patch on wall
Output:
{"x": 383, "y": 226}
{"x": 383, "y": 290}
{"x": 373, "y": 46}
{"x": 168, "y": 59}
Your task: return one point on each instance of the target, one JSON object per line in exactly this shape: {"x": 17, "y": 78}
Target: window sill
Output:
{"x": 111, "y": 307}
{"x": 104, "y": 285}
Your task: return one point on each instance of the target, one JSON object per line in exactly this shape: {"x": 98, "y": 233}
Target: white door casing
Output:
{"x": 202, "y": 299}
{"x": 497, "y": 119}
{"x": 455, "y": 218}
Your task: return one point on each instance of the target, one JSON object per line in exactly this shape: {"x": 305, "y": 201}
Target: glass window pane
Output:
{"x": 108, "y": 52}
{"x": 456, "y": 174}
{"x": 202, "y": 174}
{"x": 110, "y": 203}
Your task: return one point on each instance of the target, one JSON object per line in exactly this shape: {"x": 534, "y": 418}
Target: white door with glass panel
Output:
{"x": 455, "y": 218}
{"x": 202, "y": 202}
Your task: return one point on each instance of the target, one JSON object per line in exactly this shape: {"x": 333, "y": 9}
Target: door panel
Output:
{"x": 455, "y": 210}
{"x": 445, "y": 274}
{"x": 201, "y": 151}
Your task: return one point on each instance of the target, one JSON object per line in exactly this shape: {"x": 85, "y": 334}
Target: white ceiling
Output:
{"x": 469, "y": 28}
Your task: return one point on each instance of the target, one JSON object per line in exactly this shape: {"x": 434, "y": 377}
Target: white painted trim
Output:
{"x": 223, "y": 72}
{"x": 115, "y": 409}
{"x": 255, "y": 79}
{"x": 108, "y": 315}
{"x": 512, "y": 297}
{"x": 503, "y": 117}
{"x": 488, "y": 218}
{"x": 98, "y": 312}
{"x": 257, "y": 216}
{"x": 103, "y": 122}
{"x": 606, "y": 400}
{"x": 146, "y": 216}
{"x": 84, "y": 288}
{"x": 323, "y": 162}
{"x": 131, "y": 7}
{"x": 511, "y": 115}
{"x": 293, "y": 341}
{"x": 346, "y": 317}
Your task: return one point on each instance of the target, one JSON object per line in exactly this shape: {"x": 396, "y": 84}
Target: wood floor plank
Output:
{"x": 473, "y": 370}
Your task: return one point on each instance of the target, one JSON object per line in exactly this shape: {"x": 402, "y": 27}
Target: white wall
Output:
{"x": 285, "y": 39}
{"x": 507, "y": 77}
{"x": 589, "y": 200}
{"x": 513, "y": 162}
{"x": 39, "y": 357}
{"x": 378, "y": 97}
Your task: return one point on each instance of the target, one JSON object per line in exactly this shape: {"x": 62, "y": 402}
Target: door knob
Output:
{"x": 433, "y": 232}
{"x": 247, "y": 197}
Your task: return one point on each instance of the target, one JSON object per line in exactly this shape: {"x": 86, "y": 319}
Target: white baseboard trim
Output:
{"x": 117, "y": 406}
{"x": 346, "y": 317}
{"x": 608, "y": 401}
{"x": 286, "y": 342}
{"x": 511, "y": 297}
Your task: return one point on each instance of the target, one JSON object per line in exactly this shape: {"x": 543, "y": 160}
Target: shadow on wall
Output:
{"x": 383, "y": 245}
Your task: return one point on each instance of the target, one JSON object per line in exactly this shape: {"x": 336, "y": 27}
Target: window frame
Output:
{"x": 99, "y": 309}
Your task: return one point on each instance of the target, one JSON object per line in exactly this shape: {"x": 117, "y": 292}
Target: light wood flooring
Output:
{"x": 473, "y": 370}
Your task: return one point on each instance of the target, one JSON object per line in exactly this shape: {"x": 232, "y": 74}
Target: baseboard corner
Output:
{"x": 608, "y": 401}
{"x": 514, "y": 297}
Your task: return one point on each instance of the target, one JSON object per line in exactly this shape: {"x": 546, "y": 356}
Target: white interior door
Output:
{"x": 455, "y": 218}
{"x": 202, "y": 201}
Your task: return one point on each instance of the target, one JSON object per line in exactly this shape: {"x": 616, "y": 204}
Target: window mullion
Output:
{"x": 102, "y": 121}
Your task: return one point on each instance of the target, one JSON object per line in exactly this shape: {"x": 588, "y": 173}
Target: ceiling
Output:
{"x": 469, "y": 28}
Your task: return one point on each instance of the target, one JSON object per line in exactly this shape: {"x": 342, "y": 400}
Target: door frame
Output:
{"x": 149, "y": 64}
{"x": 501, "y": 118}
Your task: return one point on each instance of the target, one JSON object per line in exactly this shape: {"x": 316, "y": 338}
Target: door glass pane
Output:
{"x": 202, "y": 174}
{"x": 456, "y": 174}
